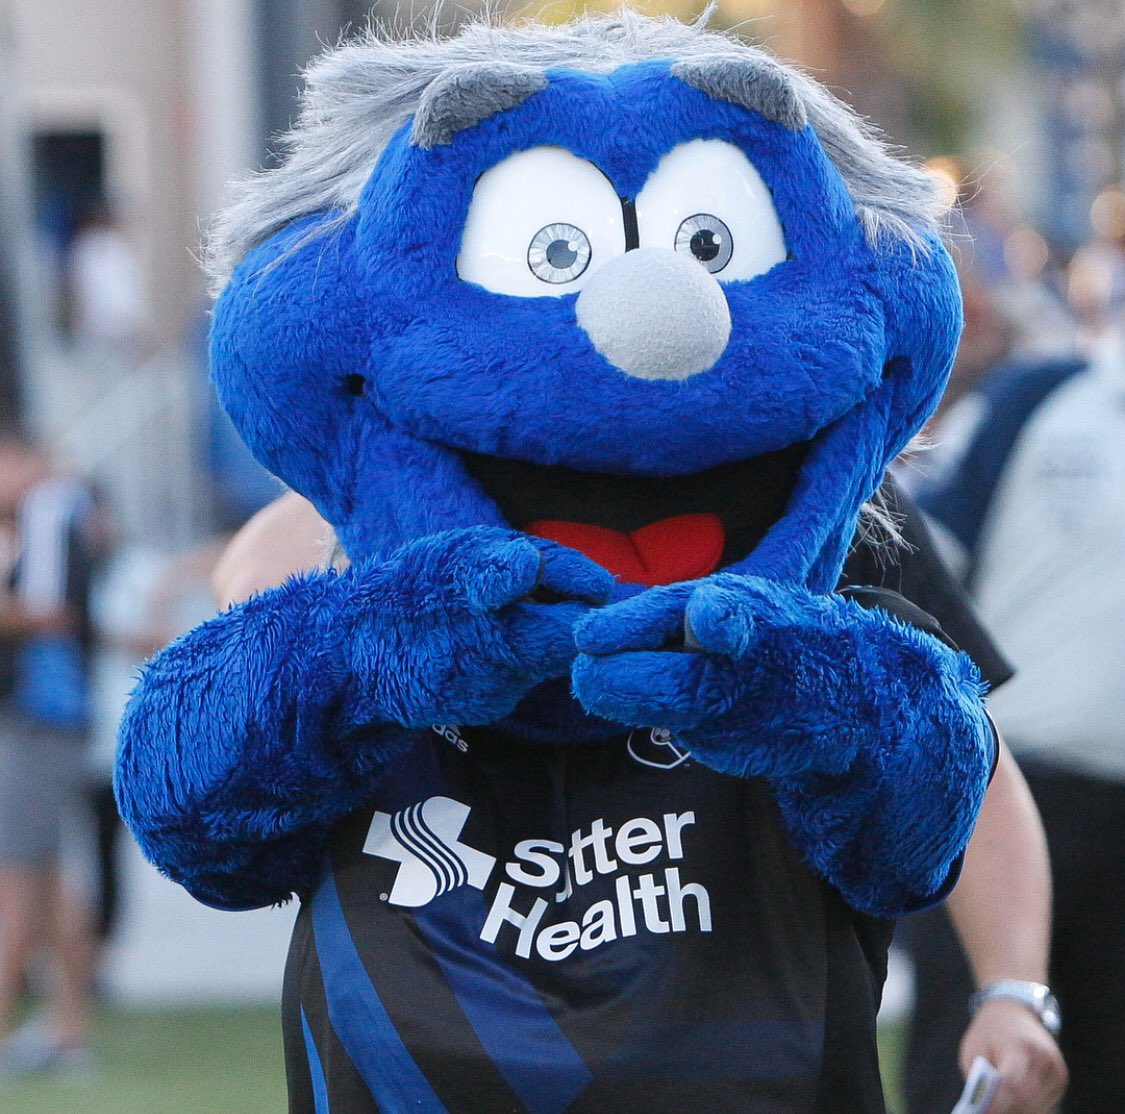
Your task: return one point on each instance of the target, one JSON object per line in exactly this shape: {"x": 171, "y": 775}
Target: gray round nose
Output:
{"x": 655, "y": 314}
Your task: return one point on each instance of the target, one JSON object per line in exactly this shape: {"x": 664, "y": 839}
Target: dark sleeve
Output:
{"x": 915, "y": 571}
{"x": 80, "y": 566}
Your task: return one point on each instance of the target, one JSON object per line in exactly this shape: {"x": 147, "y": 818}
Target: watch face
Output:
{"x": 1050, "y": 1015}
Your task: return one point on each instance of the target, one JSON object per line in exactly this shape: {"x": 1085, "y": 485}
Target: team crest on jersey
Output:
{"x": 655, "y": 748}
{"x": 424, "y": 840}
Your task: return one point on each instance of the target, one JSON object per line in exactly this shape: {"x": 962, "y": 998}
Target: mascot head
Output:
{"x": 619, "y": 276}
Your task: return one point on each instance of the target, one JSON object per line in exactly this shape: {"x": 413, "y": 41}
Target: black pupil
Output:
{"x": 561, "y": 255}
{"x": 704, "y": 245}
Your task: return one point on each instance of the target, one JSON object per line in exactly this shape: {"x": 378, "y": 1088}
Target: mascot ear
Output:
{"x": 287, "y": 345}
{"x": 467, "y": 94}
{"x": 757, "y": 83}
{"x": 922, "y": 299}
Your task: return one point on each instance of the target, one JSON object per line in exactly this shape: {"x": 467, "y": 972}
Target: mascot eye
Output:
{"x": 540, "y": 223}
{"x": 559, "y": 253}
{"x": 708, "y": 239}
{"x": 692, "y": 183}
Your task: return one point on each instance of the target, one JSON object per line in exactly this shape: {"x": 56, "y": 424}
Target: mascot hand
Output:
{"x": 753, "y": 676}
{"x": 248, "y": 739}
{"x": 874, "y": 733}
{"x": 457, "y": 627}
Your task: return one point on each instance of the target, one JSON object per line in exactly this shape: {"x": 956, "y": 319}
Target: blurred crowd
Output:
{"x": 79, "y": 612}
{"x": 1023, "y": 477}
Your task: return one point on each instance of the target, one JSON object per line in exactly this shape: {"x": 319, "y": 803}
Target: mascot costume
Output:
{"x": 591, "y": 343}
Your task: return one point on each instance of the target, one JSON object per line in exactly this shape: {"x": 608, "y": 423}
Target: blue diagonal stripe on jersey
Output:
{"x": 358, "y": 1015}
{"x": 506, "y": 1013}
{"x": 316, "y": 1069}
{"x": 504, "y": 1010}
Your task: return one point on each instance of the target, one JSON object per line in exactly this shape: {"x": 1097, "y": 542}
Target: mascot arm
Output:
{"x": 874, "y": 733}
{"x": 246, "y": 740}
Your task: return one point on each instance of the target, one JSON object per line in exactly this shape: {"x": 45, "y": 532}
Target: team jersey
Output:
{"x": 593, "y": 928}
{"x": 609, "y": 927}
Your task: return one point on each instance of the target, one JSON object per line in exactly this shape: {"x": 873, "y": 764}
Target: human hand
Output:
{"x": 1033, "y": 1076}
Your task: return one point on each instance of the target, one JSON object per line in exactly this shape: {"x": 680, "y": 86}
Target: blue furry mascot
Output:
{"x": 591, "y": 343}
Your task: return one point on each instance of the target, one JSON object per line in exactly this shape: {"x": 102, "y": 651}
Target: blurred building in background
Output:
{"x": 15, "y": 328}
{"x": 1078, "y": 53}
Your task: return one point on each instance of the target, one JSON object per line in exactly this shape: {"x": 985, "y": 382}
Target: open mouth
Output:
{"x": 645, "y": 529}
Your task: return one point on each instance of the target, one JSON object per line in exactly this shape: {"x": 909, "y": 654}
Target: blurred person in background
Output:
{"x": 1096, "y": 279}
{"x": 56, "y": 533}
{"x": 1008, "y": 281}
{"x": 106, "y": 302}
{"x": 121, "y": 609}
{"x": 1029, "y": 491}
{"x": 1011, "y": 290}
{"x": 142, "y": 599}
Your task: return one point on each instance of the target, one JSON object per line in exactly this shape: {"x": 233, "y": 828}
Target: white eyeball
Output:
{"x": 706, "y": 199}
{"x": 540, "y": 224}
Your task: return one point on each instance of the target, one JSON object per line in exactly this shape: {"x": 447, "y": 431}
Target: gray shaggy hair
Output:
{"x": 358, "y": 95}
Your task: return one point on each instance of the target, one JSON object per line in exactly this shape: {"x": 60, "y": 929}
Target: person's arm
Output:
{"x": 247, "y": 739}
{"x": 284, "y": 538}
{"x": 1001, "y": 909}
{"x": 18, "y": 622}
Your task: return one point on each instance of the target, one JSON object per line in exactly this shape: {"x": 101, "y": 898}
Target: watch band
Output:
{"x": 1036, "y": 996}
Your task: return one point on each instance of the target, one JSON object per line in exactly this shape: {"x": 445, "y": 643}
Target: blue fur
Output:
{"x": 275, "y": 718}
{"x": 824, "y": 700}
{"x": 247, "y": 740}
{"x": 381, "y": 298}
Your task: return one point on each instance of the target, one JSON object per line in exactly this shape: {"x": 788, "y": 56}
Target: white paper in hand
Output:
{"x": 980, "y": 1086}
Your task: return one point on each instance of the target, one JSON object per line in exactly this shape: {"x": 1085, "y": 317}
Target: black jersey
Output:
{"x": 591, "y": 929}
{"x": 588, "y": 929}
{"x": 915, "y": 571}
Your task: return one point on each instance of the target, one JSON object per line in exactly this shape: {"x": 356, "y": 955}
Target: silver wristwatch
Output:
{"x": 1034, "y": 995}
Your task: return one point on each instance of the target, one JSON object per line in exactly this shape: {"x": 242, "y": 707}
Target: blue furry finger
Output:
{"x": 646, "y": 621}
{"x": 722, "y": 619}
{"x": 541, "y": 637}
{"x": 569, "y": 573}
{"x": 507, "y": 572}
{"x": 646, "y": 688}
{"x": 480, "y": 568}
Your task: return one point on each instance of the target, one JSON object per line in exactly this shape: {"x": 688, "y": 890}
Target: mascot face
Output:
{"x": 607, "y": 299}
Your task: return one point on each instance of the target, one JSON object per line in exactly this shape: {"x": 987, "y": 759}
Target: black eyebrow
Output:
{"x": 632, "y": 233}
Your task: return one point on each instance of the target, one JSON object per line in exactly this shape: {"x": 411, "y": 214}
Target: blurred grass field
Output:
{"x": 209, "y": 1062}
{"x": 183, "y": 1062}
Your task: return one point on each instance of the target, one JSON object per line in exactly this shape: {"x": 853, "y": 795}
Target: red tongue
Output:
{"x": 673, "y": 549}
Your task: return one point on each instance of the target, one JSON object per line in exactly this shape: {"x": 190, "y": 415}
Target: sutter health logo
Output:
{"x": 425, "y": 841}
